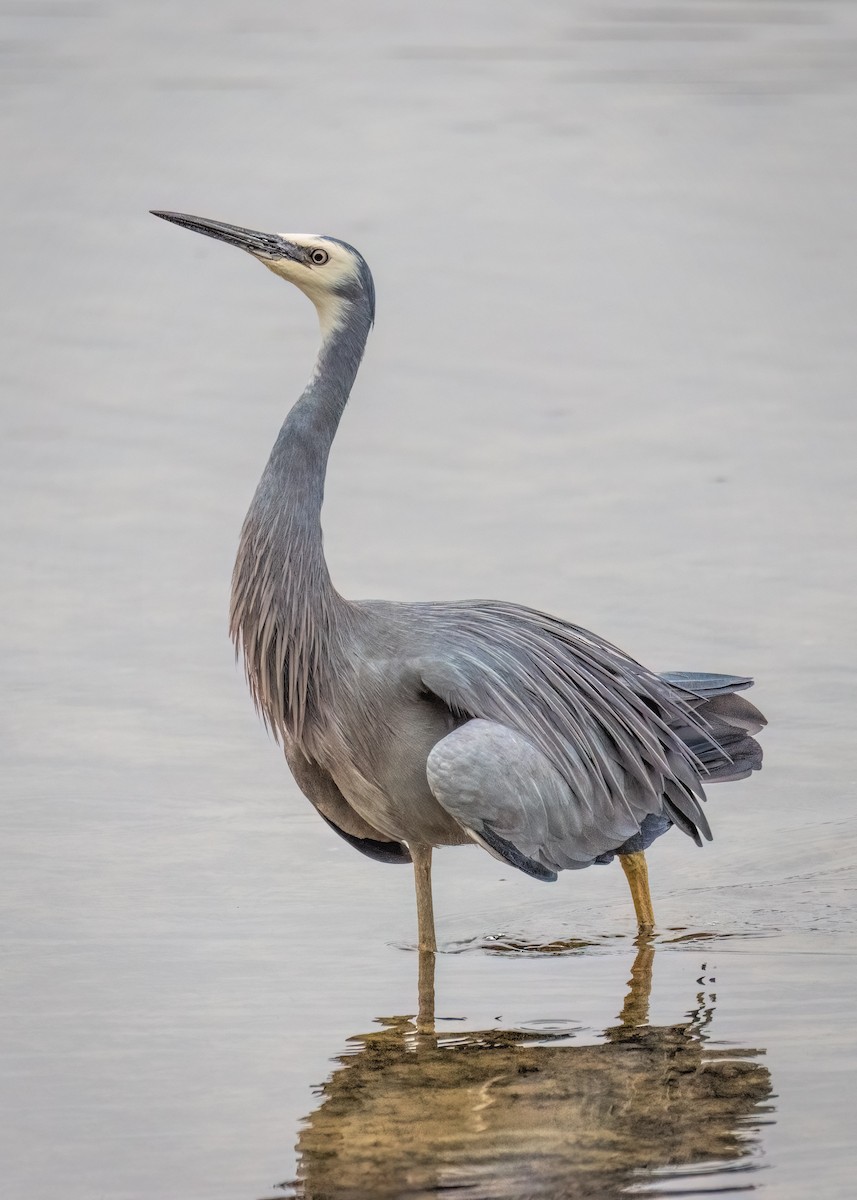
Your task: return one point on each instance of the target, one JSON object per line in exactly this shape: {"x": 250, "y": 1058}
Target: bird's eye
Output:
{"x": 319, "y": 256}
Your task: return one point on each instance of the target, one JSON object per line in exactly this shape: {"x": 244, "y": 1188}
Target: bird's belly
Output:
{"x": 401, "y": 811}
{"x": 385, "y": 780}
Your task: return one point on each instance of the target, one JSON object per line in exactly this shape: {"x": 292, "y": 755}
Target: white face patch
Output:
{"x": 319, "y": 281}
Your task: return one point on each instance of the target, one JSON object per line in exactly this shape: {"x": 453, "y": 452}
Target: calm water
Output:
{"x": 613, "y": 376}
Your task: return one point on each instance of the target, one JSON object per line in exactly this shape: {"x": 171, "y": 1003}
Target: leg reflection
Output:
{"x": 508, "y": 1113}
{"x": 635, "y": 1010}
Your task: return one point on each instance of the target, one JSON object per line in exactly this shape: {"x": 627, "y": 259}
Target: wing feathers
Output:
{"x": 613, "y": 731}
{"x": 498, "y": 785}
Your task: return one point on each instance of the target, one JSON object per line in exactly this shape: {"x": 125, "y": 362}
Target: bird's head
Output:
{"x": 333, "y": 274}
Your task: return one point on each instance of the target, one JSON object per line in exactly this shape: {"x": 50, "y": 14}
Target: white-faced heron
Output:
{"x": 410, "y": 726}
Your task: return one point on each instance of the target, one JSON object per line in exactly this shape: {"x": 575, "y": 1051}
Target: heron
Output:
{"x": 412, "y": 726}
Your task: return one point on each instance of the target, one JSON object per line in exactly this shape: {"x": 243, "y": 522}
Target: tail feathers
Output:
{"x": 733, "y": 711}
{"x": 704, "y": 684}
{"x": 724, "y": 747}
{"x": 732, "y": 755}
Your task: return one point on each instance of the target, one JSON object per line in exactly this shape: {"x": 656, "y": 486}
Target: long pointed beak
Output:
{"x": 262, "y": 245}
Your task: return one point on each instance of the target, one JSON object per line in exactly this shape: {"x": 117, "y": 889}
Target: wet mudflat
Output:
{"x": 612, "y": 377}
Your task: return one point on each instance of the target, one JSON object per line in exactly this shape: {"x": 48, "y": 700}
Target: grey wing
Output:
{"x": 330, "y": 804}
{"x": 600, "y": 721}
{"x": 511, "y": 800}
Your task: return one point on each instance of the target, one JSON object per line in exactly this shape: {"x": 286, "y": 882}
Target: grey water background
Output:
{"x": 612, "y": 376}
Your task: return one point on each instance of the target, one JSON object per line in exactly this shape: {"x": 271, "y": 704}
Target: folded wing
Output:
{"x": 514, "y": 803}
{"x": 569, "y": 744}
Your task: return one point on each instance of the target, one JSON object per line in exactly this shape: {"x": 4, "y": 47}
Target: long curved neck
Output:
{"x": 298, "y": 461}
{"x": 284, "y": 609}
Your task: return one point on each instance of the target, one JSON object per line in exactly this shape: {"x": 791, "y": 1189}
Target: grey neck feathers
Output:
{"x": 285, "y": 614}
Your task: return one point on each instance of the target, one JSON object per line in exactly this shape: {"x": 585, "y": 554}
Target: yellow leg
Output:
{"x": 421, "y": 856}
{"x": 637, "y": 874}
{"x": 425, "y": 1014}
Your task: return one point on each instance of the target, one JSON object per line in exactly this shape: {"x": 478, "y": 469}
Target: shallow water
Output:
{"x": 612, "y": 377}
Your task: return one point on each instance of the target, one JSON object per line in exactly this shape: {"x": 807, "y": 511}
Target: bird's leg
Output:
{"x": 421, "y": 856}
{"x": 637, "y": 874}
{"x": 425, "y": 1013}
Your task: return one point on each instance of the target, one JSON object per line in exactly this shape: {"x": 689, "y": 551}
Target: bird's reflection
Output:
{"x": 504, "y": 1113}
